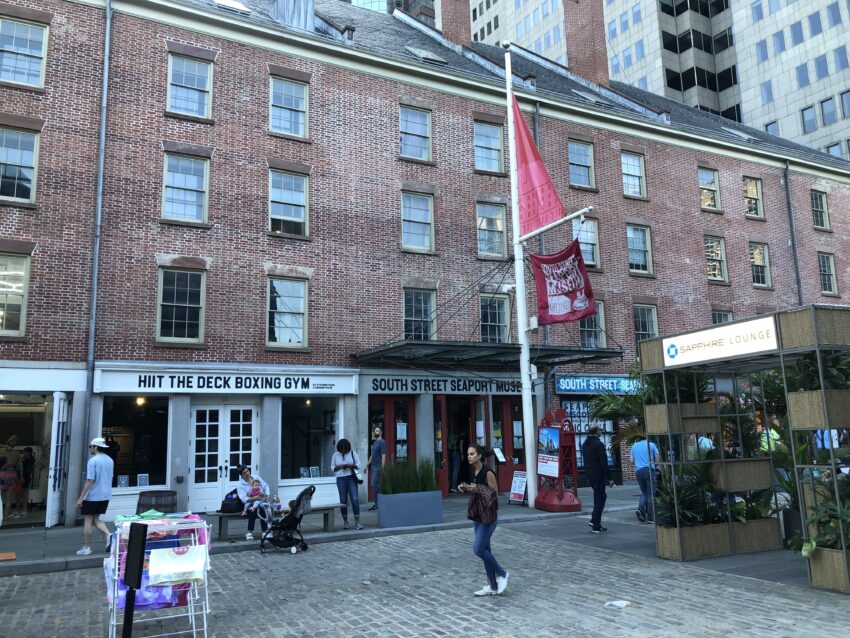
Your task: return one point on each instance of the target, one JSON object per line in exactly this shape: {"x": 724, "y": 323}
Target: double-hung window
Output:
{"x": 288, "y": 203}
{"x": 592, "y": 329}
{"x": 415, "y": 133}
{"x": 286, "y": 325}
{"x": 809, "y": 119}
{"x": 709, "y": 189}
{"x": 640, "y": 249}
{"x": 181, "y": 306}
{"x": 587, "y": 233}
{"x": 581, "y": 164}
{"x": 760, "y": 263}
{"x": 715, "y": 258}
{"x": 14, "y": 286}
{"x": 828, "y": 111}
{"x": 720, "y": 316}
{"x": 420, "y": 322}
{"x": 185, "y": 193}
{"x": 490, "y": 220}
{"x": 288, "y": 108}
{"x": 18, "y": 153}
{"x": 634, "y": 184}
{"x": 645, "y": 322}
{"x": 417, "y": 221}
{"x": 23, "y": 48}
{"x": 820, "y": 210}
{"x": 189, "y": 86}
{"x": 494, "y": 319}
{"x": 488, "y": 147}
{"x": 752, "y": 197}
{"x": 826, "y": 270}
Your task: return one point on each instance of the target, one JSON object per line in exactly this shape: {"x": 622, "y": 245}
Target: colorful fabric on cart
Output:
{"x": 148, "y": 597}
{"x": 178, "y": 565}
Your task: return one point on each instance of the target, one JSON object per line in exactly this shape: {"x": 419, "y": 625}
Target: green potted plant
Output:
{"x": 409, "y": 495}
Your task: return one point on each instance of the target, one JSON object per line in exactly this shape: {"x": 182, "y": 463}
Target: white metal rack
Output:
{"x": 174, "y": 603}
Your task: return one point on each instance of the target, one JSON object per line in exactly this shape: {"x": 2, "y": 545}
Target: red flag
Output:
{"x": 539, "y": 203}
{"x": 564, "y": 292}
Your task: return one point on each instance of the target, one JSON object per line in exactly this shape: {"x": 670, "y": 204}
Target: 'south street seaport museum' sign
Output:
{"x": 723, "y": 342}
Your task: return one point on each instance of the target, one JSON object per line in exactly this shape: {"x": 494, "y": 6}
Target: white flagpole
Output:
{"x": 528, "y": 425}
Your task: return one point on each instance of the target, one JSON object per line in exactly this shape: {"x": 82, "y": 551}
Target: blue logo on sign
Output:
{"x": 672, "y": 351}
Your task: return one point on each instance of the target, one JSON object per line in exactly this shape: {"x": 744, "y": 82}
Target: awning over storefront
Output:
{"x": 474, "y": 355}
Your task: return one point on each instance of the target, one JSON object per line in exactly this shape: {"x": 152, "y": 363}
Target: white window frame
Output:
{"x": 304, "y": 314}
{"x": 653, "y": 309}
{"x": 430, "y": 222}
{"x": 640, "y": 176}
{"x": 816, "y": 211}
{"x": 597, "y": 329}
{"x": 726, "y": 315}
{"x": 590, "y": 167}
{"x": 166, "y": 186}
{"x": 712, "y": 259}
{"x": 833, "y": 280}
{"x": 273, "y": 107}
{"x": 500, "y": 163}
{"x": 751, "y": 246}
{"x": 43, "y": 57}
{"x": 207, "y": 102}
{"x": 585, "y": 232}
{"x": 432, "y": 320}
{"x": 36, "y": 141}
{"x": 202, "y": 306}
{"x": 506, "y": 327}
{"x": 402, "y": 133}
{"x": 306, "y": 218}
{"x": 22, "y": 326}
{"x": 706, "y": 189}
{"x": 748, "y": 198}
{"x": 499, "y": 220}
{"x": 647, "y": 248}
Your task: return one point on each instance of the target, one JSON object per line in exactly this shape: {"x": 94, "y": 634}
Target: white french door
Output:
{"x": 222, "y": 439}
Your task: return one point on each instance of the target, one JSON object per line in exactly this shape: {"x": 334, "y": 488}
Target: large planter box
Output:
{"x": 414, "y": 508}
{"x": 743, "y": 475}
{"x": 805, "y": 409}
{"x": 830, "y": 569}
{"x": 756, "y": 536}
{"x": 676, "y": 418}
{"x": 696, "y": 542}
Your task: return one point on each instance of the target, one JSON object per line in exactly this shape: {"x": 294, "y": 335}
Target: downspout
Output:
{"x": 793, "y": 240}
{"x": 98, "y": 213}
{"x": 547, "y": 378}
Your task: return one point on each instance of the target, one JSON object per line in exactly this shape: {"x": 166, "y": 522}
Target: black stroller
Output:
{"x": 286, "y": 533}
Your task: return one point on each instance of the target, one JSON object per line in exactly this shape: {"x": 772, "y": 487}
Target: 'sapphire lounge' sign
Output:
{"x": 723, "y": 342}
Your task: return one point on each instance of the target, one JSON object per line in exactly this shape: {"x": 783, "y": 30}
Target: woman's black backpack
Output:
{"x": 231, "y": 504}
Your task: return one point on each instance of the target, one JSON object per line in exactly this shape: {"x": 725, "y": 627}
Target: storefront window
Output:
{"x": 517, "y": 431}
{"x": 136, "y": 429}
{"x": 577, "y": 413}
{"x": 402, "y": 423}
{"x": 308, "y": 435}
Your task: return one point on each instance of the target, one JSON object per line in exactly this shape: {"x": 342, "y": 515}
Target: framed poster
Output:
{"x": 401, "y": 431}
{"x": 314, "y": 471}
{"x": 500, "y": 456}
{"x": 143, "y": 480}
{"x": 304, "y": 471}
{"x": 123, "y": 480}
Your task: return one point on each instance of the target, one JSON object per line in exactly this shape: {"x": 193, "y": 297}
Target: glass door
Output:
{"x": 396, "y": 417}
{"x": 441, "y": 444}
{"x": 507, "y": 420}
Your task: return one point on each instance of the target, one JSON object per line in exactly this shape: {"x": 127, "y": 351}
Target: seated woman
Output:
{"x": 244, "y": 490}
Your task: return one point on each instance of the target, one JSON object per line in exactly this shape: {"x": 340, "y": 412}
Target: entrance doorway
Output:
{"x": 396, "y": 416}
{"x": 508, "y": 434}
{"x": 222, "y": 439}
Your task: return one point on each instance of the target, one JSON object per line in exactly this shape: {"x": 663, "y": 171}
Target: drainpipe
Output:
{"x": 792, "y": 242}
{"x": 95, "y": 269}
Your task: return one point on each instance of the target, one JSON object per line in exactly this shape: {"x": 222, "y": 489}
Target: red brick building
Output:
{"x": 281, "y": 203}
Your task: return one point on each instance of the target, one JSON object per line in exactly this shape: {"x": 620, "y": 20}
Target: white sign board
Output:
{"x": 216, "y": 382}
{"x": 518, "y": 486}
{"x": 722, "y": 342}
{"x": 547, "y": 465}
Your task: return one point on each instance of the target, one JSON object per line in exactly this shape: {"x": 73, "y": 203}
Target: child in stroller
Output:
{"x": 286, "y": 533}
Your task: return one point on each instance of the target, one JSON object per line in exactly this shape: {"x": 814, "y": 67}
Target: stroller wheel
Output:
{"x": 293, "y": 550}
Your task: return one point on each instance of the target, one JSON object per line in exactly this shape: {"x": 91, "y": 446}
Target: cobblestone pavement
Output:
{"x": 422, "y": 584}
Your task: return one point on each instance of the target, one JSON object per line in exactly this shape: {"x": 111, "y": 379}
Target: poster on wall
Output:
{"x": 401, "y": 431}
{"x": 143, "y": 480}
{"x": 548, "y": 440}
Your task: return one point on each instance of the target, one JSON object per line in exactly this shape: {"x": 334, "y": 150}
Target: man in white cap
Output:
{"x": 94, "y": 498}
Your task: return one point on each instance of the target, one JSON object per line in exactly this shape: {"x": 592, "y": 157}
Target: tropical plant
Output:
{"x": 404, "y": 477}
{"x": 700, "y": 501}
{"x": 830, "y": 517}
{"x": 753, "y": 506}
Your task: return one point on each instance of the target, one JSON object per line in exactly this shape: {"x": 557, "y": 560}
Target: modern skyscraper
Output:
{"x": 777, "y": 65}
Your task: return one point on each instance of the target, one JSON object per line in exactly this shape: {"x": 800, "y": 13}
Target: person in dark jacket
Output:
{"x": 596, "y": 471}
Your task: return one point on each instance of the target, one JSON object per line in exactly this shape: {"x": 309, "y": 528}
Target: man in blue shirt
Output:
{"x": 375, "y": 463}
{"x": 97, "y": 490}
{"x": 644, "y": 456}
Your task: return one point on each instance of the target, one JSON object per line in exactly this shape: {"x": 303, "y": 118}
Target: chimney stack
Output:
{"x": 453, "y": 20}
{"x": 584, "y": 26}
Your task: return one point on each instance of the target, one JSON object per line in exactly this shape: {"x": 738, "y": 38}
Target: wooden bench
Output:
{"x": 328, "y": 512}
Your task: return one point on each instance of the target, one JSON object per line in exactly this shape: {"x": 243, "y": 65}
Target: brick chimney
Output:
{"x": 584, "y": 25}
{"x": 453, "y": 20}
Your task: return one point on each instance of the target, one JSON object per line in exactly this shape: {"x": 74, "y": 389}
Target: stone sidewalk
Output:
{"x": 422, "y": 584}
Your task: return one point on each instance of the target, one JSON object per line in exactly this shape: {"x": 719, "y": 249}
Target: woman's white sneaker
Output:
{"x": 502, "y": 583}
{"x": 84, "y": 551}
{"x": 485, "y": 591}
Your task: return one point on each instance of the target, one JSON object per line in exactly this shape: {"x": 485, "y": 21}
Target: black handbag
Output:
{"x": 231, "y": 504}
